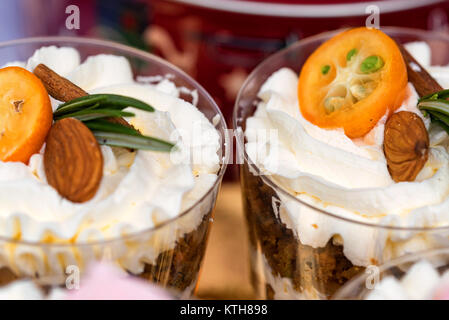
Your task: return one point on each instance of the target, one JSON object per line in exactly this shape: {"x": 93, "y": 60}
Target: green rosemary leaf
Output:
{"x": 438, "y": 105}
{"x": 132, "y": 142}
{"x": 94, "y": 106}
{"x": 443, "y": 94}
{"x": 440, "y": 117}
{"x": 106, "y": 126}
{"x": 105, "y": 101}
{"x": 119, "y": 101}
{"x": 437, "y": 108}
{"x": 91, "y": 113}
{"x": 80, "y": 103}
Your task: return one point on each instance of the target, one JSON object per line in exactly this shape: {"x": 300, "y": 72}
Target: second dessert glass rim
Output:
{"x": 240, "y": 144}
{"x": 57, "y": 40}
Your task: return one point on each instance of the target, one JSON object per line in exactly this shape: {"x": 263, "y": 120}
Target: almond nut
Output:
{"x": 406, "y": 145}
{"x": 73, "y": 160}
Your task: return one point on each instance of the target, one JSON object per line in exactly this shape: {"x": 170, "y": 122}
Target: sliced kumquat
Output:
{"x": 365, "y": 77}
{"x": 25, "y": 114}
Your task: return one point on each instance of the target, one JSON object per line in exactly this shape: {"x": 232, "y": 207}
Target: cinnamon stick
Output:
{"x": 58, "y": 87}
{"x": 423, "y": 82}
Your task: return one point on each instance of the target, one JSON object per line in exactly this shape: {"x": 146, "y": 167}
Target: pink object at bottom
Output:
{"x": 106, "y": 282}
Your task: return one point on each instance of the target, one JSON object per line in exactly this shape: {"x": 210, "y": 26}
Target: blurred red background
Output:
{"x": 219, "y": 45}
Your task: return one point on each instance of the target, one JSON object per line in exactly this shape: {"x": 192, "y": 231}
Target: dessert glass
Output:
{"x": 359, "y": 287}
{"x": 283, "y": 267}
{"x": 169, "y": 254}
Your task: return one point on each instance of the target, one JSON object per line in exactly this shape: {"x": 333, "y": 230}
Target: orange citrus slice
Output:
{"x": 25, "y": 114}
{"x": 352, "y": 80}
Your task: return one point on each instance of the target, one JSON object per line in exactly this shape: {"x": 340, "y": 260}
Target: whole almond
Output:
{"x": 73, "y": 160}
{"x": 406, "y": 145}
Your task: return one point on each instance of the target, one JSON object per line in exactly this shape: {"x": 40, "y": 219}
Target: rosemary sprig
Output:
{"x": 443, "y": 94}
{"x": 134, "y": 142}
{"x": 78, "y": 104}
{"x": 436, "y": 106}
{"x": 87, "y": 114}
{"x": 104, "y": 125}
{"x": 93, "y": 110}
{"x": 111, "y": 101}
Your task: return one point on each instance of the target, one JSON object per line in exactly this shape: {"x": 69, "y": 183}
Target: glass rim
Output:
{"x": 344, "y": 292}
{"x": 225, "y": 146}
{"x": 286, "y": 10}
{"x": 275, "y": 185}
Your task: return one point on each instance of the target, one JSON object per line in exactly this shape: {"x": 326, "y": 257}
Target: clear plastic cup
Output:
{"x": 361, "y": 286}
{"x": 286, "y": 265}
{"x": 169, "y": 254}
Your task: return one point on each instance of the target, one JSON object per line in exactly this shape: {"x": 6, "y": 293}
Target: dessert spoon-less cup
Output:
{"x": 286, "y": 264}
{"x": 169, "y": 254}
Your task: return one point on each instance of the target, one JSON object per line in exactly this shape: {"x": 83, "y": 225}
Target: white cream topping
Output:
{"x": 347, "y": 177}
{"x": 28, "y": 290}
{"x": 60, "y": 60}
{"x": 100, "y": 71}
{"x": 419, "y": 283}
{"x": 138, "y": 190}
{"x": 21, "y": 290}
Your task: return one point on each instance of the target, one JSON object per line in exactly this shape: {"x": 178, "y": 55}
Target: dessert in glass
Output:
{"x": 107, "y": 153}
{"x": 419, "y": 276}
{"x": 342, "y": 168}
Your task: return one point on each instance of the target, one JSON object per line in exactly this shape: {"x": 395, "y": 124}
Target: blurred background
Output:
{"x": 218, "y": 42}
